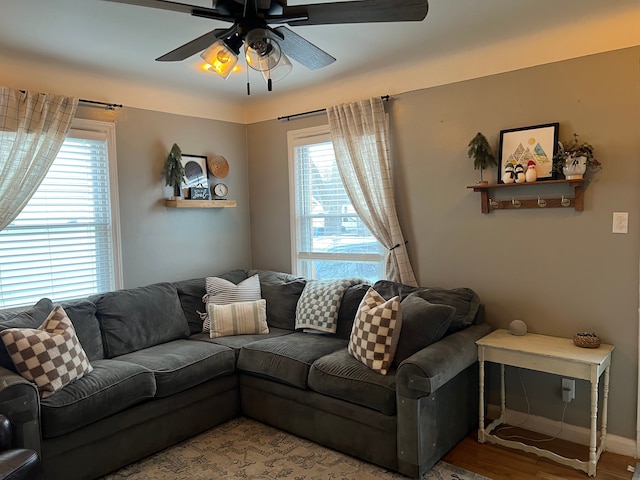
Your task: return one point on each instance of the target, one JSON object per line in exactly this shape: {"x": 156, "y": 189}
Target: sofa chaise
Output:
{"x": 156, "y": 379}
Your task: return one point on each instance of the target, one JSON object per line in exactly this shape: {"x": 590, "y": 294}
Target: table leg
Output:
{"x": 481, "y": 401}
{"x": 605, "y": 405}
{"x": 503, "y": 401}
{"x": 594, "y": 423}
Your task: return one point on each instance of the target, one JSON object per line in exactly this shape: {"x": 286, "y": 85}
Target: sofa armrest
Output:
{"x": 428, "y": 369}
{"x": 20, "y": 403}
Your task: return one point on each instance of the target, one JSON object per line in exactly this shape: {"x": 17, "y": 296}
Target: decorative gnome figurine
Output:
{"x": 531, "y": 175}
{"x": 519, "y": 171}
{"x": 509, "y": 176}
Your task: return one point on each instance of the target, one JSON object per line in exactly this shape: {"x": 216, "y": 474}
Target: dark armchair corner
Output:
{"x": 16, "y": 463}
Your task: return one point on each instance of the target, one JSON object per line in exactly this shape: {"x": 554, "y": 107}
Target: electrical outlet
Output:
{"x": 620, "y": 222}
{"x": 568, "y": 389}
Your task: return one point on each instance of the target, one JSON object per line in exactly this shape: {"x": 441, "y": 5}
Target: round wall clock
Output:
{"x": 220, "y": 190}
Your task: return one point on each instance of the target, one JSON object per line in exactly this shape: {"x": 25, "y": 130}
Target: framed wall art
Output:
{"x": 520, "y": 146}
{"x": 195, "y": 173}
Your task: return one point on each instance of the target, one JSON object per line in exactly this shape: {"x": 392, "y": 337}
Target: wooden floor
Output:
{"x": 500, "y": 463}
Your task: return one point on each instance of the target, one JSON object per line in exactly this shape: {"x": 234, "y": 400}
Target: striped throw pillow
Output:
{"x": 241, "y": 318}
{"x": 224, "y": 292}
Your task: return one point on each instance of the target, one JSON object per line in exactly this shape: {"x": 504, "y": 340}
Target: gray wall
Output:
{"x": 168, "y": 244}
{"x": 559, "y": 270}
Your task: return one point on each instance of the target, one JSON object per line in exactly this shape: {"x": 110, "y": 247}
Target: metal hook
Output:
{"x": 515, "y": 203}
{"x": 541, "y": 202}
{"x": 493, "y": 203}
{"x": 565, "y": 202}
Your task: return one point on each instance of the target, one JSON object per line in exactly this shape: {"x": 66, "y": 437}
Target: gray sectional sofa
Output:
{"x": 158, "y": 380}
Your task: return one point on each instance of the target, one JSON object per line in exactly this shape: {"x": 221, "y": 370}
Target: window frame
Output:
{"x": 303, "y": 137}
{"x": 95, "y": 129}
{"x": 108, "y": 129}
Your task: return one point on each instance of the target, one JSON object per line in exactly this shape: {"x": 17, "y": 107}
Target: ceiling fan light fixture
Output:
{"x": 281, "y": 70}
{"x": 220, "y": 58}
{"x": 262, "y": 52}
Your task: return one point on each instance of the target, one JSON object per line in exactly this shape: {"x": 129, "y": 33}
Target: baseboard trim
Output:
{"x": 572, "y": 433}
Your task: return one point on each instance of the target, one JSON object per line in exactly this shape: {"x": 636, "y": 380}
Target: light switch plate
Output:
{"x": 620, "y": 222}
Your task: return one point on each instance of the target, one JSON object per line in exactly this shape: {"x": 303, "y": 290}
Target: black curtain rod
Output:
{"x": 106, "y": 106}
{"x": 320, "y": 110}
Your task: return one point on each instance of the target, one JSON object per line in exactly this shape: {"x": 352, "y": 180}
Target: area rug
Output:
{"x": 245, "y": 449}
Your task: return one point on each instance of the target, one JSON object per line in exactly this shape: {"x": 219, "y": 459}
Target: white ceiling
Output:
{"x": 96, "y": 39}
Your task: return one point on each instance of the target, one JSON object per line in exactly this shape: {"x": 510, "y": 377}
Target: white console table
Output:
{"x": 554, "y": 355}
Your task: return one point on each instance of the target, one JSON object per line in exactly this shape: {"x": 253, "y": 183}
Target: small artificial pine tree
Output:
{"x": 174, "y": 170}
{"x": 480, "y": 150}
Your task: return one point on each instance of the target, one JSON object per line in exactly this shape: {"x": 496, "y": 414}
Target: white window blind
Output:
{"x": 62, "y": 244}
{"x": 329, "y": 240}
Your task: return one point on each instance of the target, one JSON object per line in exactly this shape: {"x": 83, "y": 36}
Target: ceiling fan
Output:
{"x": 266, "y": 48}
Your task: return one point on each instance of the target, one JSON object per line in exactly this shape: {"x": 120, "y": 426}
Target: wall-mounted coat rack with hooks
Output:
{"x": 488, "y": 203}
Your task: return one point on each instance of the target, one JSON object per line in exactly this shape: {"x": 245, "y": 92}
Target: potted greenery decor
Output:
{"x": 174, "y": 170}
{"x": 575, "y": 158}
{"x": 480, "y": 150}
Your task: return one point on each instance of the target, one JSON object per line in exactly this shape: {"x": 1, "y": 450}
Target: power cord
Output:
{"x": 521, "y": 437}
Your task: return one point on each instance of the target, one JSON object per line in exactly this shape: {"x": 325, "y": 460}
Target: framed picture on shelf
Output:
{"x": 195, "y": 173}
{"x": 520, "y": 146}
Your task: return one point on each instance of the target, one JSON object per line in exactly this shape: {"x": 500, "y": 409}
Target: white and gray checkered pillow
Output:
{"x": 224, "y": 292}
{"x": 376, "y": 331}
{"x": 318, "y": 306}
{"x": 50, "y": 356}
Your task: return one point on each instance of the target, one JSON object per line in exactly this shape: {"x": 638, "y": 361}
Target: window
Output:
{"x": 328, "y": 238}
{"x": 65, "y": 243}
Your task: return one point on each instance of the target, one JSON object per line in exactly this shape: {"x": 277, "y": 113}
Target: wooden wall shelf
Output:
{"x": 488, "y": 204}
{"x": 200, "y": 203}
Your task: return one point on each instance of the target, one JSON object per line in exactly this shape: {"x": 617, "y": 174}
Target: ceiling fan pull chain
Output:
{"x": 248, "y": 84}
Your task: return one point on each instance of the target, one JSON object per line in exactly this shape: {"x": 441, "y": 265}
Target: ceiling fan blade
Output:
{"x": 197, "y": 45}
{"x": 194, "y": 10}
{"x": 287, "y": 15}
{"x": 302, "y": 50}
{"x": 227, "y": 7}
{"x": 364, "y": 11}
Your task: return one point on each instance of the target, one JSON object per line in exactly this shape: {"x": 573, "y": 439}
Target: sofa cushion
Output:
{"x": 348, "y": 309}
{"x": 376, "y": 330}
{"x": 319, "y": 304}
{"x": 342, "y": 376}
{"x": 224, "y": 292}
{"x": 287, "y": 358}
{"x": 137, "y": 318}
{"x": 423, "y": 323}
{"x": 30, "y": 318}
{"x": 281, "y": 291}
{"x": 191, "y": 293}
{"x": 464, "y": 300}
{"x": 112, "y": 386}
{"x": 182, "y": 364}
{"x": 388, "y": 289}
{"x": 240, "y": 318}
{"x": 83, "y": 316}
{"x": 236, "y": 342}
{"x": 50, "y": 356}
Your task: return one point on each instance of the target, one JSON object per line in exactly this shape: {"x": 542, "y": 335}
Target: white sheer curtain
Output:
{"x": 361, "y": 142}
{"x": 32, "y": 128}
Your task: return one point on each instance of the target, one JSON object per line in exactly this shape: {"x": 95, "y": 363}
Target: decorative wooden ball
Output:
{"x": 518, "y": 327}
